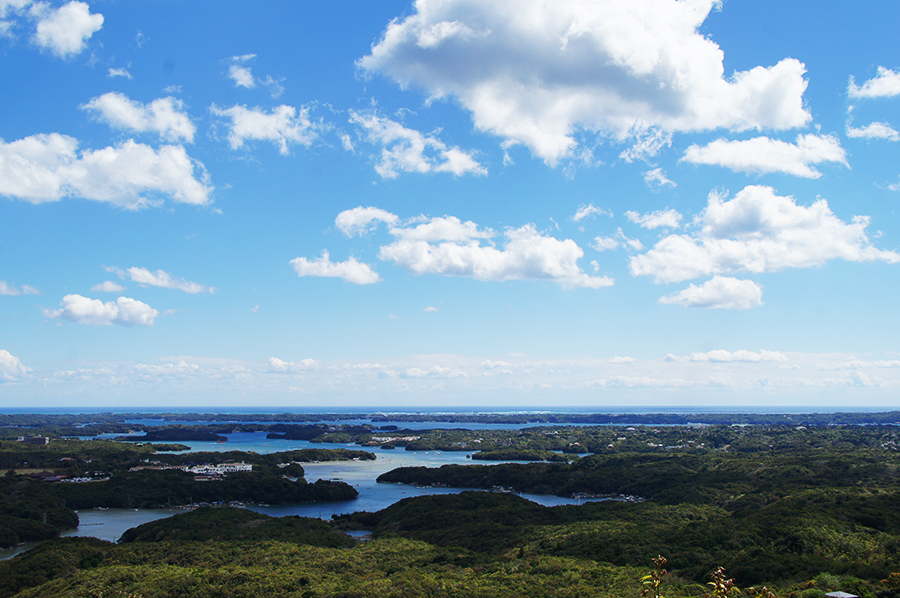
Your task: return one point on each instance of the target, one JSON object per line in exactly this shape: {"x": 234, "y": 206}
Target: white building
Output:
{"x": 222, "y": 468}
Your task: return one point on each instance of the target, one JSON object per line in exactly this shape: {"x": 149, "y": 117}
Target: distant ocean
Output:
{"x": 434, "y": 410}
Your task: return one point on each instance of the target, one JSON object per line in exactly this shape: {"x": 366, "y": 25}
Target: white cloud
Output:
{"x": 535, "y": 73}
{"x": 12, "y": 290}
{"x": 107, "y": 286}
{"x": 45, "y": 168}
{"x": 10, "y": 367}
{"x": 633, "y": 244}
{"x": 122, "y": 72}
{"x": 818, "y": 381}
{"x": 360, "y": 220}
{"x": 446, "y": 245}
{"x": 441, "y": 228}
{"x": 758, "y": 231}
{"x": 408, "y": 150}
{"x": 164, "y": 116}
{"x": 876, "y": 130}
{"x": 585, "y": 211}
{"x": 65, "y": 31}
{"x": 275, "y": 86}
{"x": 854, "y": 363}
{"x": 721, "y": 292}
{"x": 431, "y": 308}
{"x": 349, "y": 271}
{"x": 605, "y": 244}
{"x": 657, "y": 178}
{"x": 450, "y": 247}
{"x": 180, "y": 371}
{"x": 723, "y": 356}
{"x": 647, "y": 142}
{"x": 241, "y": 76}
{"x": 620, "y": 360}
{"x": 282, "y": 126}
{"x": 434, "y": 371}
{"x": 284, "y": 367}
{"x": 762, "y": 155}
{"x": 885, "y": 84}
{"x": 8, "y": 7}
{"x": 858, "y": 379}
{"x": 857, "y": 364}
{"x": 489, "y": 364}
{"x": 645, "y": 382}
{"x": 608, "y": 243}
{"x": 84, "y": 310}
{"x": 160, "y": 278}
{"x": 668, "y": 218}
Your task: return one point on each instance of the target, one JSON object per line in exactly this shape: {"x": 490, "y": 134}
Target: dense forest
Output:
{"x": 209, "y": 555}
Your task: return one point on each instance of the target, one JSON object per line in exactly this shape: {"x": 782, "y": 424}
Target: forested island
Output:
{"x": 800, "y": 508}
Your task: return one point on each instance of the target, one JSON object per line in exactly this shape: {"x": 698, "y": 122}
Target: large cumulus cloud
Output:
{"x": 536, "y": 72}
{"x": 758, "y": 231}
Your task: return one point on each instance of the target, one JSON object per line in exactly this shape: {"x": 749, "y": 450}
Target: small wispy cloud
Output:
{"x": 586, "y": 211}
{"x": 12, "y": 290}
{"x": 657, "y": 178}
{"x": 241, "y": 74}
{"x": 876, "y": 130}
{"x": 160, "y": 278}
{"x": 107, "y": 286}
{"x": 122, "y": 72}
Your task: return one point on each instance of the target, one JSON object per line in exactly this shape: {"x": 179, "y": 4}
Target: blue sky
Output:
{"x": 449, "y": 204}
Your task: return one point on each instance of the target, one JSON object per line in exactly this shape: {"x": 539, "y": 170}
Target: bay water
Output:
{"x": 110, "y": 524}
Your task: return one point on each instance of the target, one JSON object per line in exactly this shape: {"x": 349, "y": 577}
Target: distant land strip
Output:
{"x": 598, "y": 418}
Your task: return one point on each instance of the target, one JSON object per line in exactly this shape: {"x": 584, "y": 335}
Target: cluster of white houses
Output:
{"x": 202, "y": 470}
{"x": 221, "y": 468}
